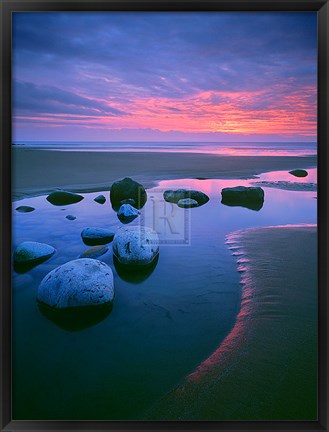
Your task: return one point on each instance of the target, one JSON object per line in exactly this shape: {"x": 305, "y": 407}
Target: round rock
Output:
{"x": 32, "y": 251}
{"x": 96, "y": 236}
{"x": 78, "y": 283}
{"x": 127, "y": 189}
{"x": 70, "y": 217}
{"x": 187, "y": 203}
{"x": 63, "y": 198}
{"x": 136, "y": 246}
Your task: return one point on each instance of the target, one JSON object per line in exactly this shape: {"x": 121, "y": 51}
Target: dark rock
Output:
{"x": 59, "y": 198}
{"x": 70, "y": 217}
{"x": 127, "y": 213}
{"x": 249, "y": 197}
{"x": 100, "y": 199}
{"x": 127, "y": 189}
{"x": 96, "y": 236}
{"x": 299, "y": 173}
{"x": 25, "y": 209}
{"x": 175, "y": 195}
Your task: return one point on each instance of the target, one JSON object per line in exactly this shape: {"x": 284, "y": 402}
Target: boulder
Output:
{"x": 174, "y": 196}
{"x": 127, "y": 189}
{"x": 78, "y": 283}
{"x": 94, "y": 252}
{"x": 70, "y": 217}
{"x": 127, "y": 213}
{"x": 136, "y": 246}
{"x": 29, "y": 254}
{"x": 187, "y": 203}
{"x": 60, "y": 198}
{"x": 250, "y": 197}
{"x": 96, "y": 236}
{"x": 299, "y": 173}
{"x": 100, "y": 199}
{"x": 25, "y": 209}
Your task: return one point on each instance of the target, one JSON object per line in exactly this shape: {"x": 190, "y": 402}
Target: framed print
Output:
{"x": 164, "y": 243}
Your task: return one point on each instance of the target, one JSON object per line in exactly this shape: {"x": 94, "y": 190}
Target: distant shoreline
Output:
{"x": 37, "y": 172}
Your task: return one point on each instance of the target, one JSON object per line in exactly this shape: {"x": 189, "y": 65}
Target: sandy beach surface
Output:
{"x": 266, "y": 367}
{"x": 36, "y": 172}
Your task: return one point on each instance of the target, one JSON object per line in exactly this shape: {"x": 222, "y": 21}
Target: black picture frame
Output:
{"x": 9, "y": 6}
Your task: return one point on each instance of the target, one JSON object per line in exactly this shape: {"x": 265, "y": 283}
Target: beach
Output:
{"x": 41, "y": 171}
{"x": 265, "y": 369}
{"x": 186, "y": 342}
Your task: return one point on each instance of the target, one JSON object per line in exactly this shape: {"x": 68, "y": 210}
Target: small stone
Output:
{"x": 100, "y": 199}
{"x": 187, "y": 203}
{"x": 127, "y": 213}
{"x": 32, "y": 251}
{"x": 25, "y": 209}
{"x": 94, "y": 252}
{"x": 96, "y": 236}
{"x": 70, "y": 217}
{"x": 130, "y": 201}
{"x": 299, "y": 173}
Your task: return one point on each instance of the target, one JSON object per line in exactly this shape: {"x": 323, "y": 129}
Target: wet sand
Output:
{"x": 265, "y": 369}
{"x": 41, "y": 171}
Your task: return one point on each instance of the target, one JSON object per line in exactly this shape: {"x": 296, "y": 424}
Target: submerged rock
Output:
{"x": 136, "y": 246}
{"x": 96, "y": 236}
{"x": 174, "y": 196}
{"x": 187, "y": 203}
{"x": 30, "y": 254}
{"x": 249, "y": 197}
{"x": 70, "y": 217}
{"x": 78, "y": 283}
{"x": 100, "y": 199}
{"x": 25, "y": 209}
{"x": 127, "y": 213}
{"x": 299, "y": 173}
{"x": 127, "y": 189}
{"x": 63, "y": 198}
{"x": 94, "y": 252}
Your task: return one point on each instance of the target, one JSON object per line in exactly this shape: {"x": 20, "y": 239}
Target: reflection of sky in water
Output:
{"x": 159, "y": 329}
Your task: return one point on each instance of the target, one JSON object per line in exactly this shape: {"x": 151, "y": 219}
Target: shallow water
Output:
{"x": 160, "y": 328}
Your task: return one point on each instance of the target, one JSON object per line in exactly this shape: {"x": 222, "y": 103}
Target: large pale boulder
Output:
{"x": 136, "y": 246}
{"x": 79, "y": 283}
{"x": 127, "y": 189}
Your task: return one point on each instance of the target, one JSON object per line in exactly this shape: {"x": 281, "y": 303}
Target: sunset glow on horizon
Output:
{"x": 164, "y": 76}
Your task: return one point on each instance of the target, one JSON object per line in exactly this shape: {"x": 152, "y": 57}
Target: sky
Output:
{"x": 174, "y": 76}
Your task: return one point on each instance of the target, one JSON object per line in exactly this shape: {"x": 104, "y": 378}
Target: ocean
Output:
{"x": 220, "y": 148}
